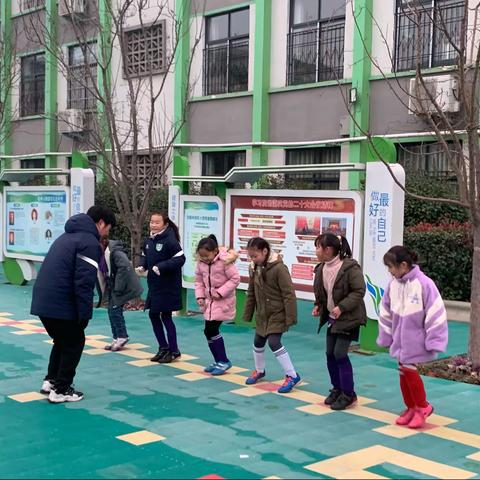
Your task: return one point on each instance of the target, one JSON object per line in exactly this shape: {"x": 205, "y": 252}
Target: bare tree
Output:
{"x": 8, "y": 77}
{"x": 456, "y": 26}
{"x": 126, "y": 86}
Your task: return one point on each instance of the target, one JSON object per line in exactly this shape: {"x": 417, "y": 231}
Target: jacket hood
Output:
{"x": 115, "y": 245}
{"x": 228, "y": 255}
{"x": 81, "y": 223}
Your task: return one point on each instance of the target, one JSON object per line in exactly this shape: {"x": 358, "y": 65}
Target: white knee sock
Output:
{"x": 259, "y": 358}
{"x": 284, "y": 360}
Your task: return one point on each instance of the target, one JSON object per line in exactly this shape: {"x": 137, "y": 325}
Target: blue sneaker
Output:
{"x": 221, "y": 368}
{"x": 210, "y": 368}
{"x": 254, "y": 377}
{"x": 289, "y": 383}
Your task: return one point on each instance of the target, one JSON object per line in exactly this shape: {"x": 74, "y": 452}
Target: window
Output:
{"x": 315, "y": 44}
{"x": 32, "y": 85}
{"x": 426, "y": 32}
{"x": 145, "y": 50}
{"x": 309, "y": 156}
{"x": 29, "y": 4}
{"x": 82, "y": 77}
{"x": 428, "y": 158}
{"x": 32, "y": 163}
{"x": 219, "y": 163}
{"x": 145, "y": 167}
{"x": 226, "y": 54}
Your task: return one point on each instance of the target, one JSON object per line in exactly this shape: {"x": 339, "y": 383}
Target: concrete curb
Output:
{"x": 458, "y": 311}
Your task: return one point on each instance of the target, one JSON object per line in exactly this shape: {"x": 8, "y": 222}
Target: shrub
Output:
{"x": 431, "y": 212}
{"x": 445, "y": 253}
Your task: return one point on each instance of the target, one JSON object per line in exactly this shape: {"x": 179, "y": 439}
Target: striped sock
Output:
{"x": 284, "y": 360}
{"x": 259, "y": 358}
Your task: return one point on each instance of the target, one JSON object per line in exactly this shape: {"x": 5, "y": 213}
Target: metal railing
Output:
{"x": 225, "y": 68}
{"x": 316, "y": 54}
{"x": 427, "y": 35}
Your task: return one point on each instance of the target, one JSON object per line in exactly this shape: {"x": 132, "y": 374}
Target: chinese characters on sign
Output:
{"x": 378, "y": 217}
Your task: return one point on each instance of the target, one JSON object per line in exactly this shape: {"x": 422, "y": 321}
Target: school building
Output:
{"x": 270, "y": 82}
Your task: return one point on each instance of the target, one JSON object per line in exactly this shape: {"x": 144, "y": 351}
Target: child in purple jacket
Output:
{"x": 413, "y": 325}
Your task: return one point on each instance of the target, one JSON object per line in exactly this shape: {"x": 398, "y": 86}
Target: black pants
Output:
{"x": 212, "y": 328}
{"x": 68, "y": 341}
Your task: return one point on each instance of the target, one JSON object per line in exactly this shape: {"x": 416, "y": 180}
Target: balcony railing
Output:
{"x": 316, "y": 54}
{"x": 225, "y": 68}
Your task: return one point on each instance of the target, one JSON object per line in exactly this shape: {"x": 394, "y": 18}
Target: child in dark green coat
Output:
{"x": 339, "y": 289}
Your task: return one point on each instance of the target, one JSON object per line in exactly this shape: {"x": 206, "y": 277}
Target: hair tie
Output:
{"x": 339, "y": 238}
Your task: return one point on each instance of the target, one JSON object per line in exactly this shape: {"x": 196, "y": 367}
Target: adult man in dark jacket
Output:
{"x": 63, "y": 297}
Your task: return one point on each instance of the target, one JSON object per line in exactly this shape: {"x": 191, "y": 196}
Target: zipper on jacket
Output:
{"x": 210, "y": 287}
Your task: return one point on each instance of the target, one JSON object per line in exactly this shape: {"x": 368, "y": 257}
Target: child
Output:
{"x": 413, "y": 325}
{"x": 272, "y": 296}
{"x": 163, "y": 258}
{"x": 339, "y": 289}
{"x": 123, "y": 286}
{"x": 216, "y": 278}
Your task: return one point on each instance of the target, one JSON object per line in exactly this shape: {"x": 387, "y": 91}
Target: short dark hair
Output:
{"x": 97, "y": 213}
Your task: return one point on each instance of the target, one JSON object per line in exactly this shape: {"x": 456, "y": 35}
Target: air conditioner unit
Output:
{"x": 71, "y": 121}
{"x": 442, "y": 89}
{"x": 71, "y": 7}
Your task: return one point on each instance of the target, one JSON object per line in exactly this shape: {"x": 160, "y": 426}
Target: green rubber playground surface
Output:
{"x": 144, "y": 420}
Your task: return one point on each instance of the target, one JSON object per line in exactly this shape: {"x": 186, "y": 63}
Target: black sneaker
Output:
{"x": 69, "y": 395}
{"x": 170, "y": 357}
{"x": 162, "y": 352}
{"x": 332, "y": 398}
{"x": 343, "y": 401}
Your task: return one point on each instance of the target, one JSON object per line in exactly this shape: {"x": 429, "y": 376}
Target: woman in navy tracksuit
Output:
{"x": 163, "y": 258}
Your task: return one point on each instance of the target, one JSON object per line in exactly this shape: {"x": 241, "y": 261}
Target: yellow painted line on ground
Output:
{"x": 474, "y": 456}
{"x": 249, "y": 392}
{"x": 354, "y": 464}
{"x": 465, "y": 438}
{"x": 95, "y": 337}
{"x": 5, "y": 314}
{"x": 135, "y": 346}
{"x": 188, "y": 367}
{"x": 141, "y": 355}
{"x": 141, "y": 438}
{"x": 95, "y": 343}
{"x": 30, "y": 321}
{"x": 192, "y": 376}
{"x": 396, "y": 431}
{"x": 315, "y": 409}
{"x": 231, "y": 378}
{"x": 27, "y": 397}
{"x": 95, "y": 351}
{"x": 24, "y": 332}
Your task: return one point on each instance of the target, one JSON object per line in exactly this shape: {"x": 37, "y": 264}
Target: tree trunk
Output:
{"x": 135, "y": 247}
{"x": 474, "y": 341}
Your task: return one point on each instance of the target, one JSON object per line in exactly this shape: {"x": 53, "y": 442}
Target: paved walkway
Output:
{"x": 144, "y": 420}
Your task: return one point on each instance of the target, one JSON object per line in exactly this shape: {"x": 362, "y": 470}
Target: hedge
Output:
{"x": 445, "y": 253}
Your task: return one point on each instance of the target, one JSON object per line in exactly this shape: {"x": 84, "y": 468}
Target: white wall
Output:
{"x": 276, "y": 156}
{"x": 383, "y": 34}
{"x": 348, "y": 45}
{"x": 164, "y": 105}
{"x": 278, "y": 61}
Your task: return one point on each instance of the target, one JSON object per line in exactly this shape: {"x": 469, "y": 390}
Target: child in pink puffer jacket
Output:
{"x": 216, "y": 279}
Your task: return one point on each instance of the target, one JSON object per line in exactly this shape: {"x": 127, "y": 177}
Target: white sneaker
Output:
{"x": 119, "y": 344}
{"x": 47, "y": 386}
{"x": 70, "y": 395}
{"x": 111, "y": 345}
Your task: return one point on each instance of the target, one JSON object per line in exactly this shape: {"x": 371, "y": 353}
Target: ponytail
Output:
{"x": 210, "y": 244}
{"x": 338, "y": 243}
{"x": 168, "y": 222}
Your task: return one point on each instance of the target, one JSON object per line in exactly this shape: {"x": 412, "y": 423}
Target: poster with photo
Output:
{"x": 201, "y": 216}
{"x": 34, "y": 218}
{"x": 290, "y": 223}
